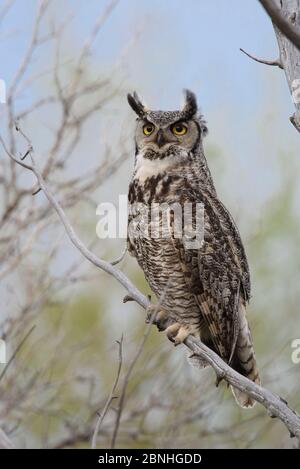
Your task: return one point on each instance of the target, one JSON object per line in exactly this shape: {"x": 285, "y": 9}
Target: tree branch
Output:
{"x": 282, "y": 23}
{"x": 286, "y": 22}
{"x": 290, "y": 56}
{"x": 110, "y": 397}
{"x": 132, "y": 365}
{"x": 5, "y": 442}
{"x": 124, "y": 387}
{"x": 274, "y": 404}
{"x": 273, "y": 63}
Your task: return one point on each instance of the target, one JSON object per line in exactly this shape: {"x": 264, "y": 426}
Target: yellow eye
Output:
{"x": 179, "y": 129}
{"x": 148, "y": 129}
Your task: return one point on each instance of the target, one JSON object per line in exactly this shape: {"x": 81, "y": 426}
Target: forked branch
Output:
{"x": 285, "y": 16}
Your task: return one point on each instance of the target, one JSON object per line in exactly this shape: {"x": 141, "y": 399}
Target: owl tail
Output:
{"x": 244, "y": 361}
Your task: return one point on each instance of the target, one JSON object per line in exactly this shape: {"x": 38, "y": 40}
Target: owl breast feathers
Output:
{"x": 202, "y": 289}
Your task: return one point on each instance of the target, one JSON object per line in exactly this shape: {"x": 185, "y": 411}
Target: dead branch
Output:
{"x": 5, "y": 442}
{"x": 110, "y": 397}
{"x": 15, "y": 352}
{"x": 124, "y": 387}
{"x": 132, "y": 365}
{"x": 285, "y": 17}
{"x": 285, "y": 25}
{"x": 290, "y": 55}
{"x": 272, "y": 63}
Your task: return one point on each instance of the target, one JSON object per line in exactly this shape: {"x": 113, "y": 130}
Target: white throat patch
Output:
{"x": 146, "y": 168}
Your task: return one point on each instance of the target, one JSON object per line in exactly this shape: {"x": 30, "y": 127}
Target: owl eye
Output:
{"x": 179, "y": 129}
{"x": 148, "y": 129}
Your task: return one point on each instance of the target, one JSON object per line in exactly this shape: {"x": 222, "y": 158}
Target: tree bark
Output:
{"x": 290, "y": 55}
{"x": 287, "y": 27}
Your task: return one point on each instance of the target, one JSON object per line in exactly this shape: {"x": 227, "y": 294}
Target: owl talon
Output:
{"x": 160, "y": 319}
{"x": 177, "y": 333}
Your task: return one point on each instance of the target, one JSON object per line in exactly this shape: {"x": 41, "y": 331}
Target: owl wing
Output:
{"x": 217, "y": 272}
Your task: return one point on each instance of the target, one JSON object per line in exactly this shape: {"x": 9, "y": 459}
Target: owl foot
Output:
{"x": 177, "y": 333}
{"x": 160, "y": 316}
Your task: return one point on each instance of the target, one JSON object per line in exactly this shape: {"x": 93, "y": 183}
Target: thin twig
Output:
{"x": 16, "y": 351}
{"x": 133, "y": 363}
{"x": 274, "y": 63}
{"x": 110, "y": 397}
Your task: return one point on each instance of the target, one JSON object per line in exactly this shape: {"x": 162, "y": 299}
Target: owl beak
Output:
{"x": 160, "y": 139}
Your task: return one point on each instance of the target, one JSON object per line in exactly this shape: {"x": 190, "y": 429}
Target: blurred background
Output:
{"x": 68, "y": 67}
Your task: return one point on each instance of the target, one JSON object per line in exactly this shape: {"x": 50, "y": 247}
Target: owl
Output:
{"x": 201, "y": 289}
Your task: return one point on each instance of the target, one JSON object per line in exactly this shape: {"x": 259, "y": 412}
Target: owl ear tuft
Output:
{"x": 190, "y": 107}
{"x": 136, "y": 104}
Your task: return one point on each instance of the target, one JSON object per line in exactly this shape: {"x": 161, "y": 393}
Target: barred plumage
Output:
{"x": 203, "y": 290}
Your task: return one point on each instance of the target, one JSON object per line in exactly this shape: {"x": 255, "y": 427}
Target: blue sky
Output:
{"x": 182, "y": 44}
{"x": 169, "y": 45}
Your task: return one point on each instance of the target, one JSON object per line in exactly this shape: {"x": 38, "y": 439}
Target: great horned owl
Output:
{"x": 203, "y": 291}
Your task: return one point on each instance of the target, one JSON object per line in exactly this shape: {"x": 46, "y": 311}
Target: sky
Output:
{"x": 165, "y": 46}
{"x": 180, "y": 44}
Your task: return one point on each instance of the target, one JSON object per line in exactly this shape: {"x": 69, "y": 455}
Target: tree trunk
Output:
{"x": 290, "y": 55}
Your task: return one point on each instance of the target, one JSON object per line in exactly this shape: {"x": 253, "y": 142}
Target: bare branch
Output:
{"x": 89, "y": 41}
{"x": 110, "y": 397}
{"x": 283, "y": 24}
{"x": 274, "y": 63}
{"x": 275, "y": 405}
{"x": 30, "y": 49}
{"x": 290, "y": 55}
{"x": 132, "y": 365}
{"x": 106, "y": 266}
{"x": 16, "y": 351}
{"x": 286, "y": 23}
{"x": 5, "y": 442}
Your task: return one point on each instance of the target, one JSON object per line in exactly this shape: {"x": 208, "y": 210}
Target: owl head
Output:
{"x": 162, "y": 132}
